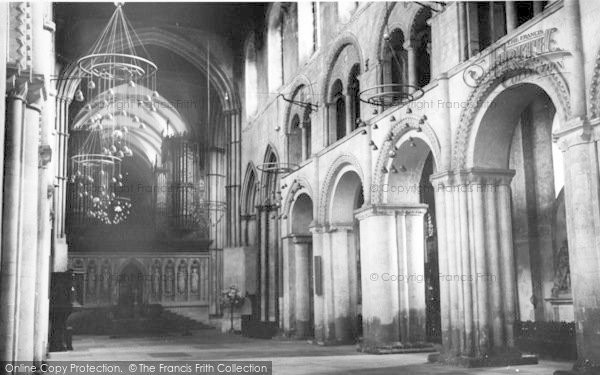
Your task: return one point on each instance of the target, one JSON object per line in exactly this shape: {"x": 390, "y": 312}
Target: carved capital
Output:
{"x": 17, "y": 88}
{"x": 408, "y": 209}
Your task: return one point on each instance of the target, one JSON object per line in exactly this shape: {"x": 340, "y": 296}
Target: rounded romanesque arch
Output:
{"x": 327, "y": 188}
{"x": 300, "y": 185}
{"x": 300, "y": 86}
{"x": 343, "y": 41}
{"x": 544, "y": 73}
{"x": 408, "y": 125}
{"x": 386, "y": 20}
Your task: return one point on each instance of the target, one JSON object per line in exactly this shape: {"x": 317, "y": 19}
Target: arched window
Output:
{"x": 394, "y": 58}
{"x": 339, "y": 107}
{"x": 251, "y": 77}
{"x": 295, "y": 141}
{"x": 275, "y": 49}
{"x": 354, "y": 94}
{"x": 307, "y": 140}
{"x": 307, "y": 29}
{"x": 421, "y": 44}
{"x": 340, "y": 117}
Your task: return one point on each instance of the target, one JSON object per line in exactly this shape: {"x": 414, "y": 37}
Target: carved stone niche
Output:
{"x": 562, "y": 307}
{"x": 561, "y": 299}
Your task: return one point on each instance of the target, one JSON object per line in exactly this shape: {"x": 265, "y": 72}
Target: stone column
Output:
{"x": 59, "y": 256}
{"x": 477, "y": 276}
{"x": 4, "y": 9}
{"x": 11, "y": 215}
{"x": 412, "y": 63}
{"x": 379, "y": 269}
{"x": 462, "y": 31}
{"x": 302, "y": 285}
{"x": 320, "y": 327}
{"x": 572, "y": 18}
{"x": 340, "y": 283}
{"x": 511, "y": 16}
{"x": 27, "y": 220}
{"x": 349, "y": 116}
{"x": 392, "y": 265}
{"x": 582, "y": 204}
{"x": 331, "y": 133}
{"x": 264, "y": 253}
{"x": 304, "y": 141}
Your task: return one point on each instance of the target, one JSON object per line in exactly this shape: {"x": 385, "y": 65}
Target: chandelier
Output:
{"x": 117, "y": 74}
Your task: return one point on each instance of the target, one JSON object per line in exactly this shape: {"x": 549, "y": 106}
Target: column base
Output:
{"x": 581, "y": 368}
{"x": 333, "y": 342}
{"x": 396, "y": 348}
{"x": 498, "y": 360}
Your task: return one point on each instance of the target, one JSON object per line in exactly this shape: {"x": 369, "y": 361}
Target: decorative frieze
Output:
{"x": 165, "y": 278}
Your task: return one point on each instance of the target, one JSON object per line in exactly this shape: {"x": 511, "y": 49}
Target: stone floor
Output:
{"x": 289, "y": 357}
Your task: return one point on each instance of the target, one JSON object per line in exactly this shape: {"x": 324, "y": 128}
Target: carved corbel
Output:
{"x": 17, "y": 87}
{"x": 37, "y": 93}
{"x": 45, "y": 155}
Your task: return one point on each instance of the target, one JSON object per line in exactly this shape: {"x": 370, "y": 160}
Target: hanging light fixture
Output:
{"x": 116, "y": 70}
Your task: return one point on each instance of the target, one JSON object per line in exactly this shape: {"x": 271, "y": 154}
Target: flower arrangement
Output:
{"x": 231, "y": 298}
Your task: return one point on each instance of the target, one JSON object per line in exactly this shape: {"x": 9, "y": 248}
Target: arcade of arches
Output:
{"x": 408, "y": 177}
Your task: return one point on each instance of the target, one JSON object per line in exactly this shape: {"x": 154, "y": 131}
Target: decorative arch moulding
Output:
{"x": 545, "y": 72}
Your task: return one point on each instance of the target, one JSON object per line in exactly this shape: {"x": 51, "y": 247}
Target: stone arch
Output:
{"x": 345, "y": 160}
{"x": 340, "y": 43}
{"x": 300, "y": 84}
{"x": 269, "y": 181}
{"x": 248, "y": 194}
{"x": 293, "y": 221}
{"x": 196, "y": 54}
{"x": 131, "y": 262}
{"x": 384, "y": 17}
{"x": 399, "y": 130}
{"x": 542, "y": 72}
{"x": 300, "y": 185}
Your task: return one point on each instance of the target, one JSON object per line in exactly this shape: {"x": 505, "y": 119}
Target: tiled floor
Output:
{"x": 289, "y": 357}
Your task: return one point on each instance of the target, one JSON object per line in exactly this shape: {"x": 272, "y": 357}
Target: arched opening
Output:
{"x": 343, "y": 285}
{"x": 409, "y": 192}
{"x": 307, "y": 29}
{"x": 307, "y": 137}
{"x": 269, "y": 257}
{"x": 354, "y": 95}
{"x": 515, "y": 133}
{"x": 421, "y": 43}
{"x": 394, "y": 64}
{"x": 294, "y": 140}
{"x": 131, "y": 291}
{"x": 300, "y": 268}
{"x": 251, "y": 77}
{"x": 249, "y": 203}
{"x": 275, "y": 48}
{"x": 339, "y": 100}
